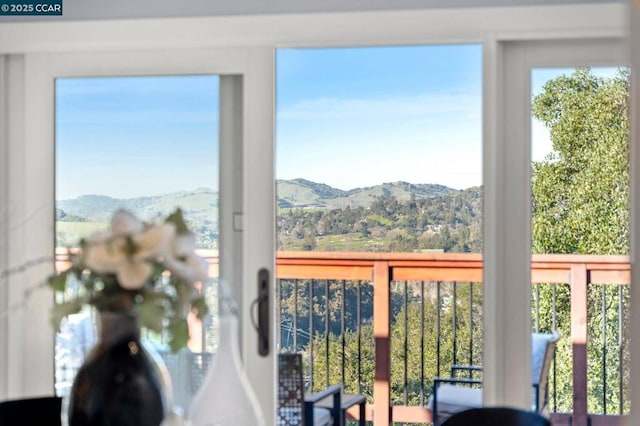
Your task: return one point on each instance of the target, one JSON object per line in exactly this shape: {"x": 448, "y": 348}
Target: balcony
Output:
{"x": 362, "y": 304}
{"x": 372, "y": 300}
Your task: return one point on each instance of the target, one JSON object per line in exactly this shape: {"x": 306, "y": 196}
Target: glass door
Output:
{"x": 136, "y": 132}
{"x": 148, "y": 145}
{"x": 379, "y": 161}
{"x": 564, "y": 137}
{"x": 580, "y": 206}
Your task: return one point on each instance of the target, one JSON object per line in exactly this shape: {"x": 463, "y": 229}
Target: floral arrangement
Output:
{"x": 151, "y": 270}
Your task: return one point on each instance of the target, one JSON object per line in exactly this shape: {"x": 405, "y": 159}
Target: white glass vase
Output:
{"x": 226, "y": 397}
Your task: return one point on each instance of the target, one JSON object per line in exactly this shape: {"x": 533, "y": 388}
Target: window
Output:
{"x": 148, "y": 145}
{"x": 379, "y": 152}
{"x": 580, "y": 194}
{"x": 245, "y": 64}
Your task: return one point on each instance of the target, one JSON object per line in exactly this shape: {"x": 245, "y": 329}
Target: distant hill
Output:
{"x": 301, "y": 193}
{"x": 202, "y": 203}
{"x": 79, "y": 217}
{"x": 199, "y": 203}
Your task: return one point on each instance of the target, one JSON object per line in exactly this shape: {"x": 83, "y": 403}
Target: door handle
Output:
{"x": 263, "y": 312}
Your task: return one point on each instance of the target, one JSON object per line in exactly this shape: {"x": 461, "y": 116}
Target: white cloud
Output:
{"x": 462, "y": 106}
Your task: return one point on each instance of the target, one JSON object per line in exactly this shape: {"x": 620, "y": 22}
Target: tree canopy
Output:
{"x": 581, "y": 190}
{"x": 581, "y": 206}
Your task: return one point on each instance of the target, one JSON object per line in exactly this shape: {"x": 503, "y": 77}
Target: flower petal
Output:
{"x": 153, "y": 241}
{"x": 184, "y": 244}
{"x": 124, "y": 222}
{"x": 133, "y": 275}
{"x": 193, "y": 268}
{"x": 105, "y": 257}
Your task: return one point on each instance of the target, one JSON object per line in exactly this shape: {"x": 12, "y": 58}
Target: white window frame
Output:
{"x": 503, "y": 311}
{"x": 492, "y": 27}
{"x": 246, "y": 139}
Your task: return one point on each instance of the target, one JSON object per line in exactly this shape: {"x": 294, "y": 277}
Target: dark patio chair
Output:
{"x": 453, "y": 394}
{"x": 324, "y": 408}
{"x": 496, "y": 416}
{"x": 31, "y": 411}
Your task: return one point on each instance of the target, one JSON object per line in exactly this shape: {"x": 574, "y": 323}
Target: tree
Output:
{"x": 581, "y": 205}
{"x": 581, "y": 190}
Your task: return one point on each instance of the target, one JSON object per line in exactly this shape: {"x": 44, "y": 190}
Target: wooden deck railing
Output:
{"x": 381, "y": 269}
{"x": 579, "y": 272}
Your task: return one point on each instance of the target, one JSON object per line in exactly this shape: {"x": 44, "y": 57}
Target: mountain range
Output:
{"x": 302, "y": 193}
{"x": 201, "y": 205}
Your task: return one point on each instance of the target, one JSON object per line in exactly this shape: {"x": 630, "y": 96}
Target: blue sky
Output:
{"x": 132, "y": 136}
{"x": 347, "y": 117}
{"x": 354, "y": 117}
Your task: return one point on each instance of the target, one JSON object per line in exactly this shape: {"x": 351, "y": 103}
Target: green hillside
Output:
{"x": 300, "y": 193}
{"x": 79, "y": 217}
{"x": 312, "y": 216}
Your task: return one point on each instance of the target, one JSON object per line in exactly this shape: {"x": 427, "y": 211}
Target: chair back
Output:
{"x": 31, "y": 411}
{"x": 543, "y": 348}
{"x": 291, "y": 405}
{"x": 496, "y": 416}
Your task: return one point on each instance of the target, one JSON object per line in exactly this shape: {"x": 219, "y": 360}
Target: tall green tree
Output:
{"x": 581, "y": 190}
{"x": 581, "y": 206}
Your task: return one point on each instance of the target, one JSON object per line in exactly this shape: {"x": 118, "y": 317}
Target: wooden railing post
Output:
{"x": 579, "y": 281}
{"x": 381, "y": 332}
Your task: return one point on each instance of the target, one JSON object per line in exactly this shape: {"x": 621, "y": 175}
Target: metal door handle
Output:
{"x": 263, "y": 312}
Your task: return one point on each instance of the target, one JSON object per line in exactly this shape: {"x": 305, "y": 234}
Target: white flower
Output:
{"x": 134, "y": 275}
{"x": 128, "y": 250}
{"x": 105, "y": 256}
{"x": 130, "y": 256}
{"x": 182, "y": 261}
{"x": 154, "y": 241}
{"x": 125, "y": 223}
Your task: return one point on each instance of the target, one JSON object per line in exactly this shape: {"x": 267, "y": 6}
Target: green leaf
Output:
{"x": 63, "y": 309}
{"x": 179, "y": 334}
{"x": 151, "y": 314}
{"x": 178, "y": 220}
{"x": 58, "y": 282}
{"x": 199, "y": 304}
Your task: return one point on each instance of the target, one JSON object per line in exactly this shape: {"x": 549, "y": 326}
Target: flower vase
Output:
{"x": 118, "y": 383}
{"x": 226, "y": 397}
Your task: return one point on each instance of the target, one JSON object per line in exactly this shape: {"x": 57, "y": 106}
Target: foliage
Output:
{"x": 581, "y": 206}
{"x": 450, "y": 223}
{"x": 581, "y": 191}
{"x": 149, "y": 269}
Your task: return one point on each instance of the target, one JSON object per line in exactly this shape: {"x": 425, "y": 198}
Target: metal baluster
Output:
{"x": 406, "y": 341}
{"x": 438, "y": 327}
{"x": 359, "y": 320}
{"x": 326, "y": 331}
{"x": 604, "y": 349}
{"x": 421, "y": 342}
{"x": 620, "y": 352}
{"x": 554, "y": 320}
{"x": 537, "y": 308}
{"x": 343, "y": 328}
{"x": 295, "y": 316}
{"x": 455, "y": 322}
{"x": 470, "y": 327}
{"x": 311, "y": 359}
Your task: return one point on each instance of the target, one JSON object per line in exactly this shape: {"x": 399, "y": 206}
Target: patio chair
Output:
{"x": 324, "y": 408}
{"x": 455, "y": 394}
{"x": 31, "y": 411}
{"x": 492, "y": 416}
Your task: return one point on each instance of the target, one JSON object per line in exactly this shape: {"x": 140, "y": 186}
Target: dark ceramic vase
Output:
{"x": 118, "y": 384}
